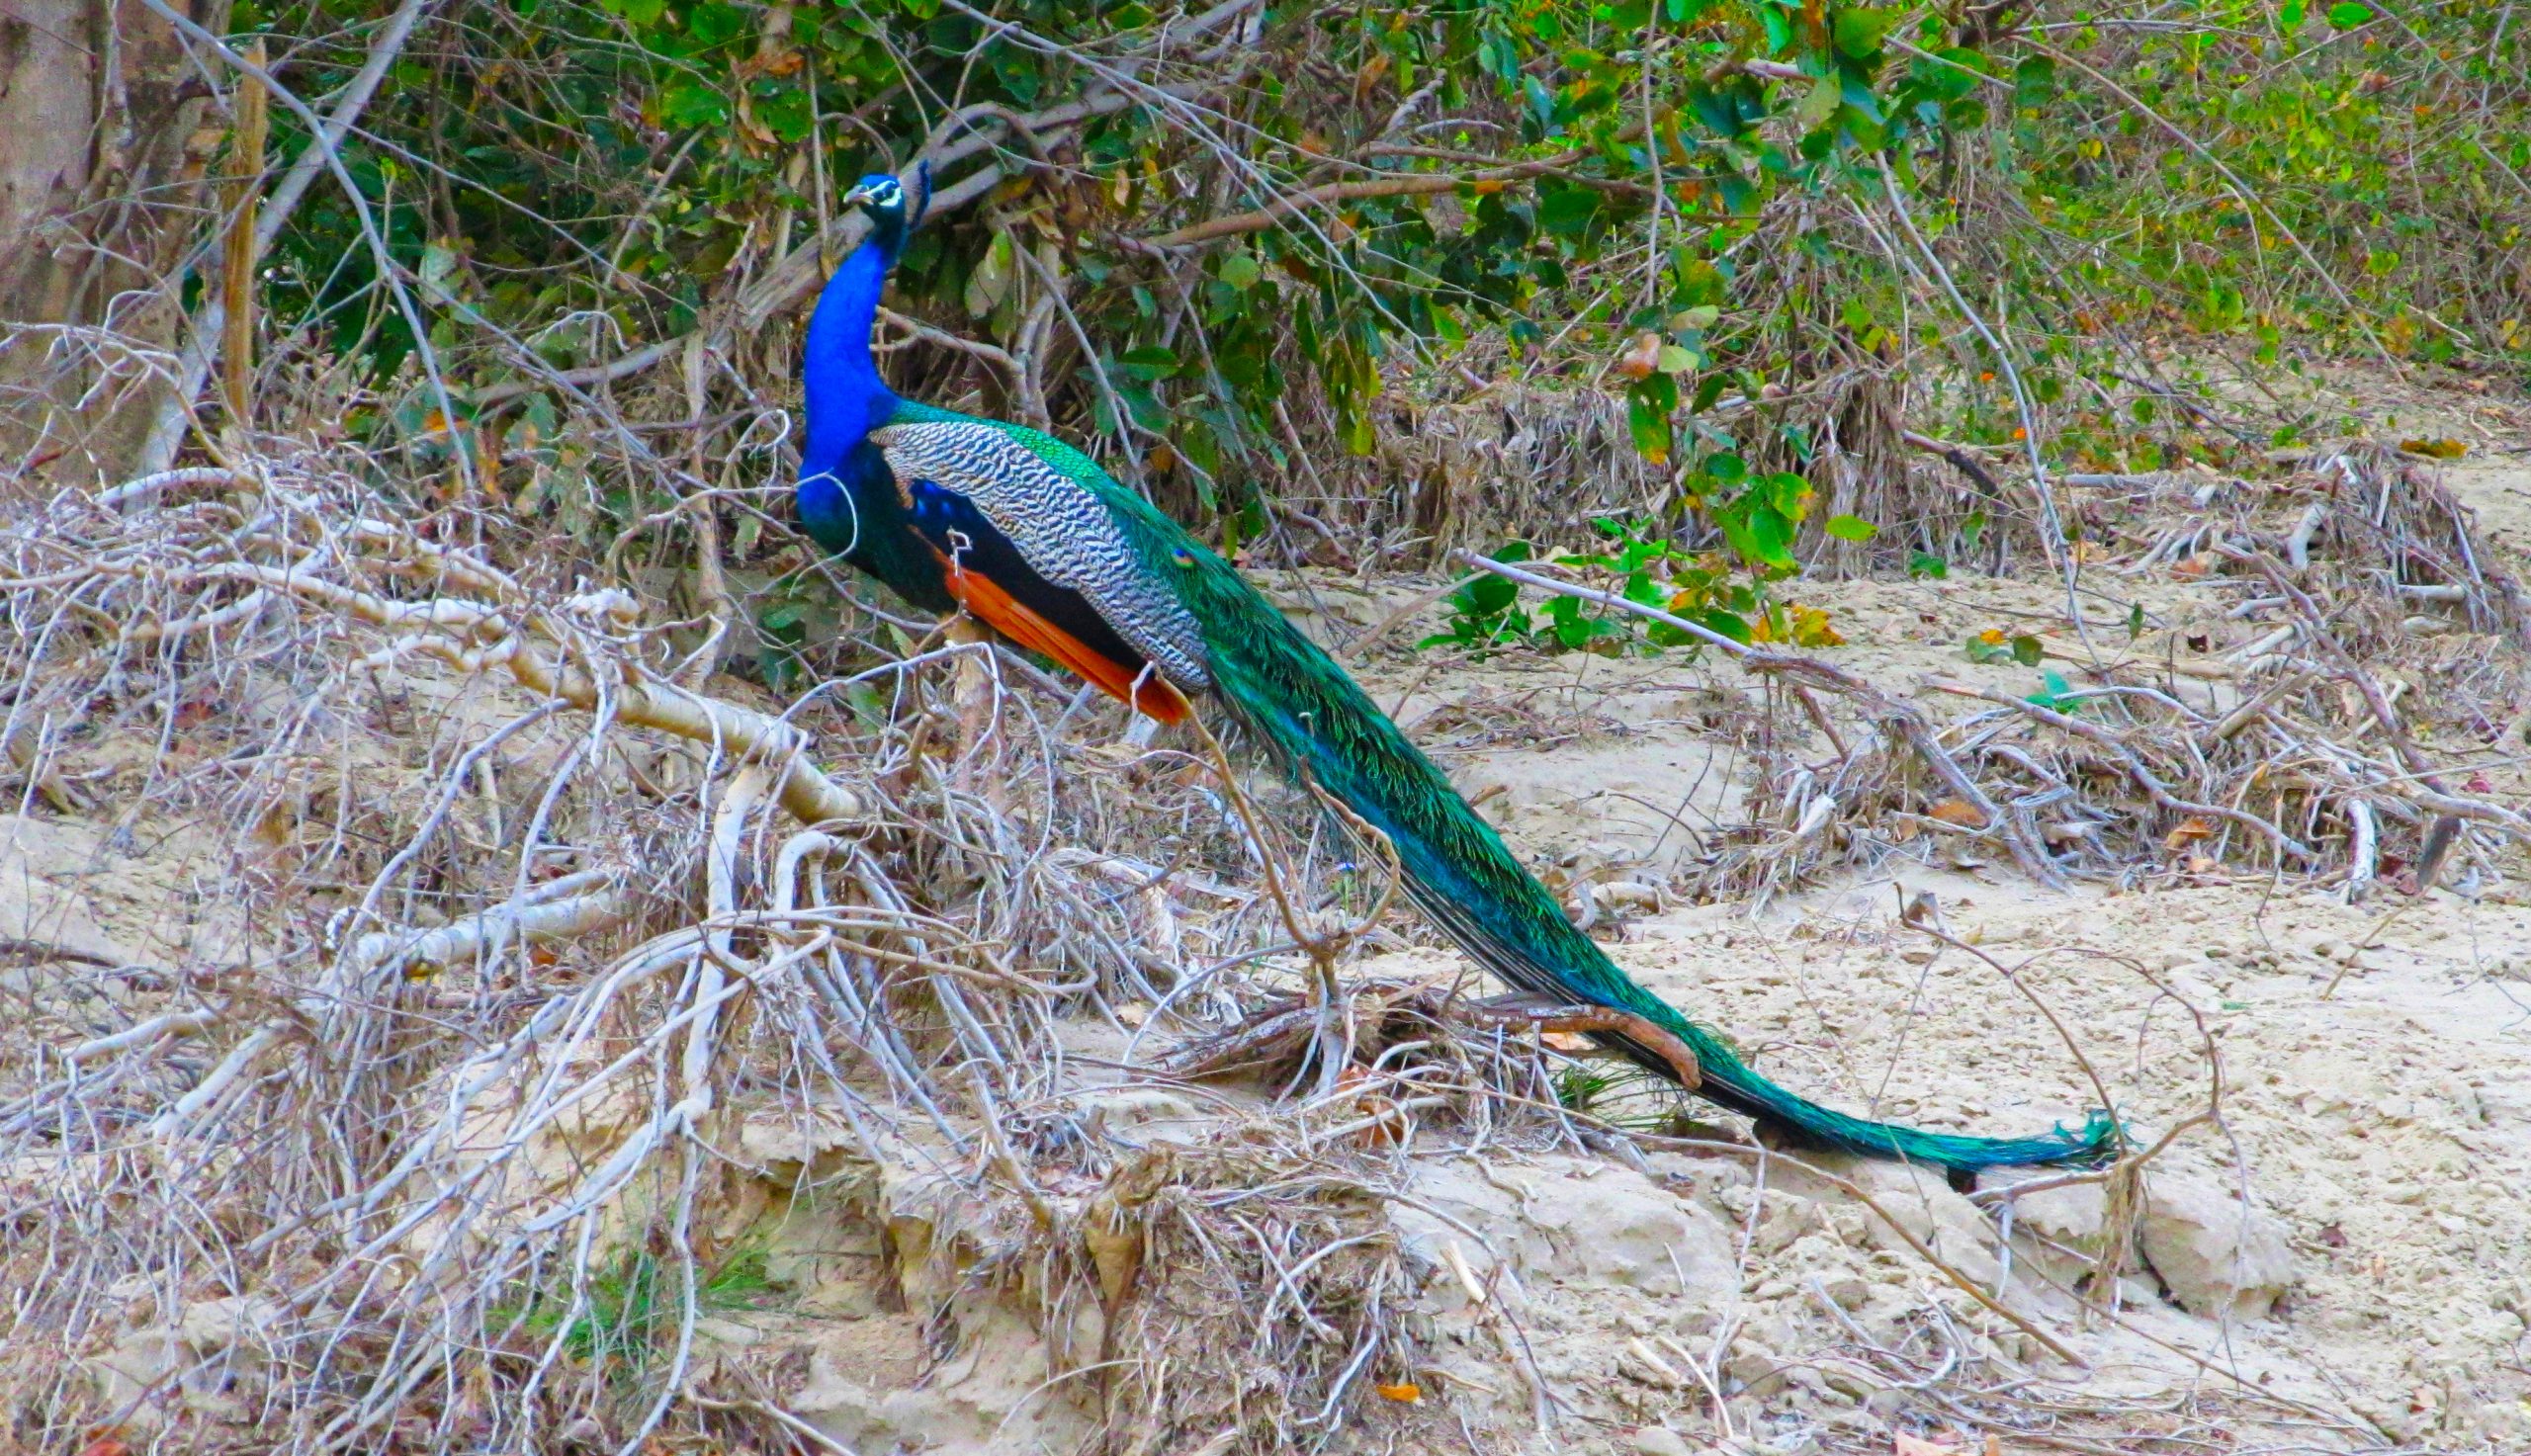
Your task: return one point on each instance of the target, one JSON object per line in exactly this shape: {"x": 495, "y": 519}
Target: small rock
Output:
{"x": 1621, "y": 1229}
{"x": 2072, "y": 1215}
{"x": 1124, "y": 1108}
{"x": 2061, "y": 1231}
{"x": 1628, "y": 895}
{"x": 1947, "y": 1223}
{"x": 1639, "y": 1364}
{"x": 236, "y": 1321}
{"x": 2219, "y": 1257}
{"x": 1754, "y": 1370}
{"x": 1660, "y": 1440}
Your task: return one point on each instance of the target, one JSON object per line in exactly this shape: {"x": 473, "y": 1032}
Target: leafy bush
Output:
{"x": 1645, "y": 568}
{"x": 1216, "y": 270}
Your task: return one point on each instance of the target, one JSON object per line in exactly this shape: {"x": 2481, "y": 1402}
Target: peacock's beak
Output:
{"x": 858, "y": 196}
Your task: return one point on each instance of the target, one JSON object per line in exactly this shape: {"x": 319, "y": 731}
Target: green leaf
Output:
{"x": 1150, "y": 362}
{"x": 2028, "y": 650}
{"x": 1779, "y": 29}
{"x": 1926, "y": 566}
{"x": 2035, "y": 80}
{"x": 1819, "y": 103}
{"x": 1729, "y": 624}
{"x": 1541, "y": 101}
{"x": 2052, "y": 693}
{"x": 1675, "y": 359}
{"x": 1851, "y": 528}
{"x": 1771, "y": 532}
{"x": 690, "y": 103}
{"x": 995, "y": 273}
{"x": 1649, "y": 428}
{"x": 1727, "y": 467}
{"x": 712, "y": 23}
{"x": 1648, "y": 402}
{"x": 1567, "y": 211}
{"x": 1858, "y": 31}
{"x": 1240, "y": 269}
{"x": 438, "y": 263}
{"x": 2346, "y": 15}
{"x": 785, "y": 114}
{"x": 1489, "y": 595}
{"x": 1787, "y": 492}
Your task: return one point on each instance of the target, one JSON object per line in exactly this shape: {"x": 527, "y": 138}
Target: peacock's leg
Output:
{"x": 974, "y": 694}
{"x": 1334, "y": 1010}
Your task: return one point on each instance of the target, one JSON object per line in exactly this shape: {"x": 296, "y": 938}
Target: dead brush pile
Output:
{"x": 573, "y": 971}
{"x": 585, "y": 981}
{"x": 2363, "y": 734}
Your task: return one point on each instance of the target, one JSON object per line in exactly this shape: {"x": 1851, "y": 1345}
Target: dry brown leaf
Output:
{"x": 1405, "y": 1392}
{"x": 1566, "y": 1041}
{"x": 1639, "y": 361}
{"x": 1903, "y": 1444}
{"x": 2189, "y": 832}
{"x": 1957, "y": 812}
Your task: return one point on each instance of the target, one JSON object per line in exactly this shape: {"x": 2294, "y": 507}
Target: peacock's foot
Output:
{"x": 1546, "y": 1013}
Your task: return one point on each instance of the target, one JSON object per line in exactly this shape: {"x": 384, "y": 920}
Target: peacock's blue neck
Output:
{"x": 846, "y": 399}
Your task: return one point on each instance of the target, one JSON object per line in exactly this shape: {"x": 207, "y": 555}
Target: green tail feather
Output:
{"x": 1458, "y": 869}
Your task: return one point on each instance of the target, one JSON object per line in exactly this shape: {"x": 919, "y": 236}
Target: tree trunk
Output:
{"x": 105, "y": 129}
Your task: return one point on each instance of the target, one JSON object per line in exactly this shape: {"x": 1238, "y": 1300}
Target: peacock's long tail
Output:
{"x": 1456, "y": 868}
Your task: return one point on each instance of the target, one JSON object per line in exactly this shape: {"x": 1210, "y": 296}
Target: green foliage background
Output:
{"x": 2011, "y": 205}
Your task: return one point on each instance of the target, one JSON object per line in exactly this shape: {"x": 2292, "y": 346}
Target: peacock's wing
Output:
{"x": 1030, "y": 546}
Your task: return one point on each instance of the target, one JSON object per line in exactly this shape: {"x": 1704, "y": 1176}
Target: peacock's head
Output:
{"x": 893, "y": 207}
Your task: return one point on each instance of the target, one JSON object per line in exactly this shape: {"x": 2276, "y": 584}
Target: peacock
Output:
{"x": 1025, "y": 534}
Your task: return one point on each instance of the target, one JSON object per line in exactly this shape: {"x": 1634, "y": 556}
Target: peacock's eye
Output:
{"x": 1182, "y": 556}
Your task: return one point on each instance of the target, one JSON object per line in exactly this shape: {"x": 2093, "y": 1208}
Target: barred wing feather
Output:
{"x": 1056, "y": 523}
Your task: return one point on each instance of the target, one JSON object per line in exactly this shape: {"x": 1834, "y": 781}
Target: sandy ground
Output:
{"x": 2386, "y": 1129}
